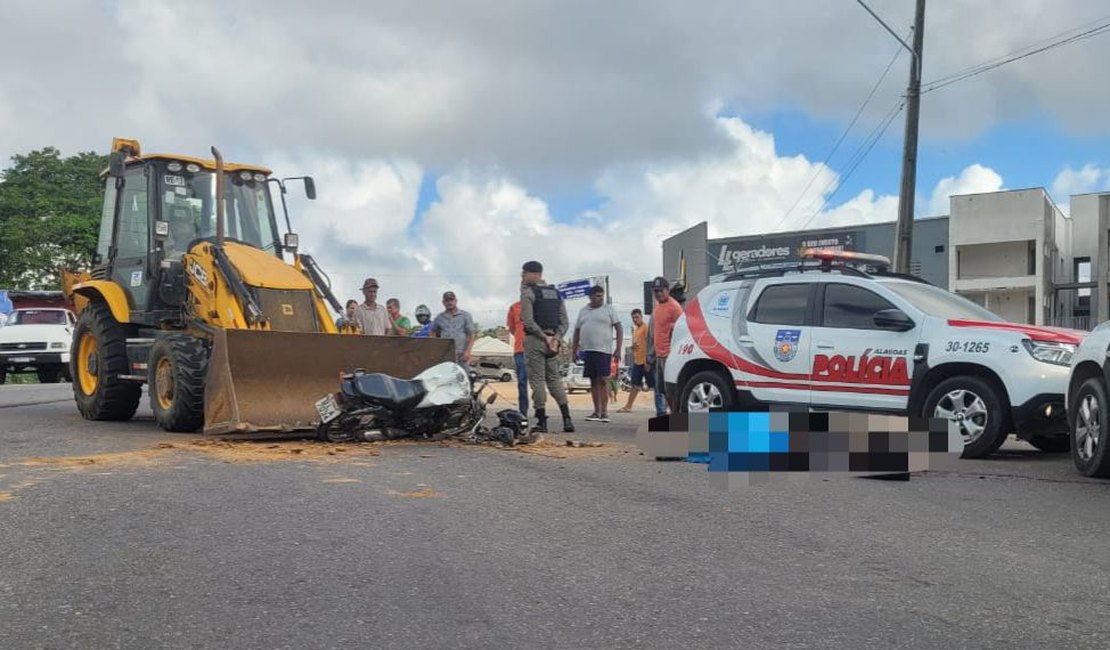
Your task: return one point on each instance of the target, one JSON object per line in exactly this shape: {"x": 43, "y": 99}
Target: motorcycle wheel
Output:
{"x": 345, "y": 428}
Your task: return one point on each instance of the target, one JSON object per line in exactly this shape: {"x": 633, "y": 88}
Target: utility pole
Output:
{"x": 903, "y": 234}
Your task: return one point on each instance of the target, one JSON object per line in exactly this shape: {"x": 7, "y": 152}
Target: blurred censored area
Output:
{"x": 795, "y": 445}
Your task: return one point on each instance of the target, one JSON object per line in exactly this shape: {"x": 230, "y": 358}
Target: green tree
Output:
{"x": 49, "y": 216}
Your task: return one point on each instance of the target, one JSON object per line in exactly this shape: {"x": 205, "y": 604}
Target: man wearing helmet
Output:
{"x": 424, "y": 319}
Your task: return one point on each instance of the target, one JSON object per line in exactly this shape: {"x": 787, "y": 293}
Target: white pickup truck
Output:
{"x": 37, "y": 340}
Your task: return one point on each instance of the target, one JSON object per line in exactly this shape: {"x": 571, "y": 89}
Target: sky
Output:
{"x": 451, "y": 141}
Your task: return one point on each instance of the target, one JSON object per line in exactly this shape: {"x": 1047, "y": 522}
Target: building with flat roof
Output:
{"x": 1013, "y": 252}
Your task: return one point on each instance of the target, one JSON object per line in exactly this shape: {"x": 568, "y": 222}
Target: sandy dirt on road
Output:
{"x": 238, "y": 452}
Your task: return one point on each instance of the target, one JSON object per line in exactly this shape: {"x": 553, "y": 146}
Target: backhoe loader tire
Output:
{"x": 177, "y": 367}
{"x": 97, "y": 359}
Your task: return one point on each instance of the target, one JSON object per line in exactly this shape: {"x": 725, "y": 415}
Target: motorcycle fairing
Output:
{"x": 445, "y": 383}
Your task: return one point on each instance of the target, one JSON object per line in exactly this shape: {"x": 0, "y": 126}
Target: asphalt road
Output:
{"x": 118, "y": 535}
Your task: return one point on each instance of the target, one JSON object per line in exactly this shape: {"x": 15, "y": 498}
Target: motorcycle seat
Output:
{"x": 388, "y": 391}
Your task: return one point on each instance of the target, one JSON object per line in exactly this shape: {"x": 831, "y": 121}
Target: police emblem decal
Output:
{"x": 786, "y": 344}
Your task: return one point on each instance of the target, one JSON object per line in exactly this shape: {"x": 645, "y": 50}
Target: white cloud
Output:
{"x": 973, "y": 179}
{"x": 485, "y": 224}
{"x": 1090, "y": 178}
{"x": 555, "y": 93}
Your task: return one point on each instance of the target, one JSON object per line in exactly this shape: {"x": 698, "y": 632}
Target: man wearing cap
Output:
{"x": 454, "y": 323}
{"x": 663, "y": 318}
{"x": 544, "y": 315}
{"x": 372, "y": 318}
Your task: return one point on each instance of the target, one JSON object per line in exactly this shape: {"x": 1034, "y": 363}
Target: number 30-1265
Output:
{"x": 974, "y": 347}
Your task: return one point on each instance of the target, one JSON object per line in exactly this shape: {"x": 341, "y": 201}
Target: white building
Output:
{"x": 1006, "y": 251}
{"x": 1014, "y": 252}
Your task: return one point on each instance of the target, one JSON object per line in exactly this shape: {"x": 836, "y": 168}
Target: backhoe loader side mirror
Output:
{"x": 310, "y": 187}
{"x": 116, "y": 167}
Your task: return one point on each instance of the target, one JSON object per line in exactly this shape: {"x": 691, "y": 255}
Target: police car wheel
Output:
{"x": 705, "y": 390}
{"x": 975, "y": 405}
{"x": 1090, "y": 434}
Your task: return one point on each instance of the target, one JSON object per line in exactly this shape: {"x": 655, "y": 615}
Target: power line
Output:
{"x": 839, "y": 141}
{"x": 1023, "y": 53}
{"x": 861, "y": 153}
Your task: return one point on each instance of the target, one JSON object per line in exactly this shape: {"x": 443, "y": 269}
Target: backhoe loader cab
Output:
{"x": 191, "y": 294}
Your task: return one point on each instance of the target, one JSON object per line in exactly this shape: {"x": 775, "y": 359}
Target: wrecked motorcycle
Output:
{"x": 442, "y": 402}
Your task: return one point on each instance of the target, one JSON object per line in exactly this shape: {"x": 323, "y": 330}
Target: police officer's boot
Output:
{"x": 568, "y": 426}
{"x": 541, "y": 422}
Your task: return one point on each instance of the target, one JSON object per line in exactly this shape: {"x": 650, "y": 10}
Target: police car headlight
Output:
{"x": 1055, "y": 353}
{"x": 57, "y": 345}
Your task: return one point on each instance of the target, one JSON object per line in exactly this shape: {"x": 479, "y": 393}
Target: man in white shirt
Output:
{"x": 372, "y": 318}
{"x": 593, "y": 334}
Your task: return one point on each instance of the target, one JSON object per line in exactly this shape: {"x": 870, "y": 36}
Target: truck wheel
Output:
{"x": 1051, "y": 444}
{"x": 49, "y": 375}
{"x": 97, "y": 359}
{"x": 177, "y": 368}
{"x": 975, "y": 405}
{"x": 705, "y": 390}
{"x": 1090, "y": 435}
{"x": 506, "y": 377}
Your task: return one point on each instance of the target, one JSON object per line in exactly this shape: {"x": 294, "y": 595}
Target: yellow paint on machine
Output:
{"x": 110, "y": 292}
{"x": 259, "y": 268}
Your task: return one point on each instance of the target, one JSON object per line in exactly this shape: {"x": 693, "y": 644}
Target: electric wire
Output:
{"x": 1103, "y": 27}
{"x": 836, "y": 147}
{"x": 854, "y": 163}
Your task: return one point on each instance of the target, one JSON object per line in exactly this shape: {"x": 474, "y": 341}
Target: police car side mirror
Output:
{"x": 893, "y": 319}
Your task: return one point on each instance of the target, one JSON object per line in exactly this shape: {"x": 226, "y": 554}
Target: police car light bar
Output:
{"x": 829, "y": 255}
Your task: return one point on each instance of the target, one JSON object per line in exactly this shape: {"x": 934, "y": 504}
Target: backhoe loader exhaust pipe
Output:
{"x": 219, "y": 196}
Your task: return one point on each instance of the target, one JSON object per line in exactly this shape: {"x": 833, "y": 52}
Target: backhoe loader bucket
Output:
{"x": 261, "y": 383}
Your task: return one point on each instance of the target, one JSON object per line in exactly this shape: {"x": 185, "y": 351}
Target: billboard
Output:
{"x": 728, "y": 255}
{"x": 580, "y": 288}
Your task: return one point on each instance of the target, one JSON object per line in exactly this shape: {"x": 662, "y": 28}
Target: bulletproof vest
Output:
{"x": 546, "y": 307}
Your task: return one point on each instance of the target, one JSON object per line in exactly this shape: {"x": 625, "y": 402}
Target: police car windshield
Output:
{"x": 938, "y": 302}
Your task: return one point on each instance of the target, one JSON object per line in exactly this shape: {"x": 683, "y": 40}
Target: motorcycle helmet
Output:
{"x": 423, "y": 314}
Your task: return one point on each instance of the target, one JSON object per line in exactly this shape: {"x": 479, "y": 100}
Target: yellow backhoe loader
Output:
{"x": 191, "y": 294}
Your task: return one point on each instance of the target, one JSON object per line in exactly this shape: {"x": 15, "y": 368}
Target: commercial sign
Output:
{"x": 578, "y": 288}
{"x": 731, "y": 254}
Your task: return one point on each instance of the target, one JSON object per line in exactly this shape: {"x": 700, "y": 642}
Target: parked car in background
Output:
{"x": 491, "y": 370}
{"x": 37, "y": 340}
{"x": 573, "y": 379}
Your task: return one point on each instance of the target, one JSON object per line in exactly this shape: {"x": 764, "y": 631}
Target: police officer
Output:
{"x": 545, "y": 322}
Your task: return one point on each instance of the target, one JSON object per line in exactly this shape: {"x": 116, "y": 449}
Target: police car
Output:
{"x": 1088, "y": 406}
{"x": 838, "y": 331}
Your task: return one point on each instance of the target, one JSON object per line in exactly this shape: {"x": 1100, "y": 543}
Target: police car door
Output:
{"x": 857, "y": 362}
{"x": 774, "y": 344}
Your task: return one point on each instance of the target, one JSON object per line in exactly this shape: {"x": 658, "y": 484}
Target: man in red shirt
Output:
{"x": 663, "y": 317}
{"x": 516, "y": 327}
